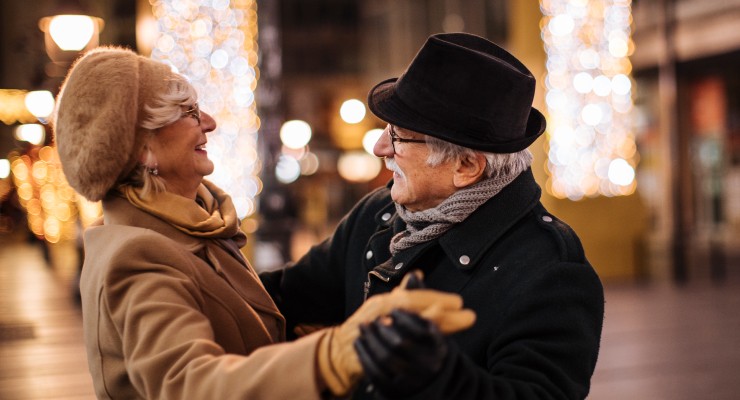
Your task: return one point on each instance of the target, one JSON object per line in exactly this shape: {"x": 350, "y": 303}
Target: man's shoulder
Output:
{"x": 564, "y": 239}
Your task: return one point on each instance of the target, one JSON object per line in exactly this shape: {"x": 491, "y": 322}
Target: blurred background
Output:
{"x": 641, "y": 156}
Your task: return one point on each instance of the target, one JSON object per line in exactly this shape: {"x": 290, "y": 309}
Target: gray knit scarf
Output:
{"x": 426, "y": 225}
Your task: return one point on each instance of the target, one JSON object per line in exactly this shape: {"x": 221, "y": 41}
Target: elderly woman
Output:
{"x": 171, "y": 309}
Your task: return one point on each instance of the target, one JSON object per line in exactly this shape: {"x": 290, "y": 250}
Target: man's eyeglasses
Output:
{"x": 194, "y": 112}
{"x": 395, "y": 138}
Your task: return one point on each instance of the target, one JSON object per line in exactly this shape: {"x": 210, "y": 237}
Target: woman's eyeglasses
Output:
{"x": 194, "y": 112}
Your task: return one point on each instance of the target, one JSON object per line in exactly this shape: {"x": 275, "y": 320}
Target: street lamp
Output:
{"x": 67, "y": 35}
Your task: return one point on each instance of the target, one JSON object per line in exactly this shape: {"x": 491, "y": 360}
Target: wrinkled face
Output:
{"x": 416, "y": 185}
{"x": 180, "y": 151}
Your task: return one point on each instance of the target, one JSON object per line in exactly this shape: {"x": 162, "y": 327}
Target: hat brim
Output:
{"x": 384, "y": 102}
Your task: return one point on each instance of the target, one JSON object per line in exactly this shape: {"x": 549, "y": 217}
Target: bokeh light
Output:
{"x": 71, "y": 32}
{"x": 31, "y": 133}
{"x": 358, "y": 166}
{"x": 4, "y": 168}
{"x": 40, "y": 103}
{"x": 371, "y": 137}
{"x": 53, "y": 209}
{"x": 592, "y": 148}
{"x": 214, "y": 44}
{"x": 352, "y": 111}
{"x": 288, "y": 169}
{"x": 295, "y": 134}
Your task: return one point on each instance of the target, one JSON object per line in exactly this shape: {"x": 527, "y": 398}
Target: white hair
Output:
{"x": 167, "y": 107}
{"x": 497, "y": 164}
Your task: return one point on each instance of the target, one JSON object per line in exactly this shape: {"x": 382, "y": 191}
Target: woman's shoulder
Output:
{"x": 124, "y": 244}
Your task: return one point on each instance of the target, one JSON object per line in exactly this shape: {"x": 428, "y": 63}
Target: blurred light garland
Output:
{"x": 52, "y": 206}
{"x": 13, "y": 107}
{"x": 589, "y": 97}
{"x": 214, "y": 44}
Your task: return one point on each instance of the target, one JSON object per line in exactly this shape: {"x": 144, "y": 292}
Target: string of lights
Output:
{"x": 214, "y": 44}
{"x": 592, "y": 148}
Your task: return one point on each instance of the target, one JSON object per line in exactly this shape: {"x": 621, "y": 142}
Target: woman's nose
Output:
{"x": 207, "y": 122}
{"x": 383, "y": 147}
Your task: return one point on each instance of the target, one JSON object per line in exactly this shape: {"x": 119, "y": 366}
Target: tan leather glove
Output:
{"x": 337, "y": 361}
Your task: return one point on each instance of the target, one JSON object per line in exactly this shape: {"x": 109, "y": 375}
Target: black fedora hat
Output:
{"x": 463, "y": 89}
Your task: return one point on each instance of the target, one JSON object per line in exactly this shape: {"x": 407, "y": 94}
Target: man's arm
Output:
{"x": 546, "y": 347}
{"x": 312, "y": 290}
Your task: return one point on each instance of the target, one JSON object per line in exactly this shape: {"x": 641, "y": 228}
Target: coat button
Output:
{"x": 386, "y": 216}
{"x": 398, "y": 266}
{"x": 369, "y": 254}
{"x": 547, "y": 218}
{"x": 464, "y": 260}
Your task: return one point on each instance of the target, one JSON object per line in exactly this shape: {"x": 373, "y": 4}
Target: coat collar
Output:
{"x": 468, "y": 241}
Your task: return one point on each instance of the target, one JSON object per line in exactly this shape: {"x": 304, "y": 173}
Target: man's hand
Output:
{"x": 337, "y": 360}
{"x": 401, "y": 354}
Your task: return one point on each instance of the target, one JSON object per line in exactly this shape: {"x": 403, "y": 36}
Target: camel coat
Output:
{"x": 161, "y": 322}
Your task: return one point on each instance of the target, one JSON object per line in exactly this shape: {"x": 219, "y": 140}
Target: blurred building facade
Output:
{"x": 680, "y": 224}
{"x": 688, "y": 126}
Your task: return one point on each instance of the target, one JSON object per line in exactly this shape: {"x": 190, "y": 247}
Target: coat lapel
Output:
{"x": 463, "y": 245}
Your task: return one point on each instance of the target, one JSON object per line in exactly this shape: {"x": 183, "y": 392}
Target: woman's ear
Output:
{"x": 469, "y": 170}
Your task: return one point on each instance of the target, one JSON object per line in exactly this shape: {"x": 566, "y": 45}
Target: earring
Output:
{"x": 150, "y": 163}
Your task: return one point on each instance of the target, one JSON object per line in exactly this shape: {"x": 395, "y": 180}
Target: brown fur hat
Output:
{"x": 98, "y": 116}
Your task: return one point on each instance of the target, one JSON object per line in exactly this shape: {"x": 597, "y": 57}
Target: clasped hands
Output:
{"x": 392, "y": 333}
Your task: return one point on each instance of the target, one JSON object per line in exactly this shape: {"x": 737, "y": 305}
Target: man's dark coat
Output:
{"x": 539, "y": 303}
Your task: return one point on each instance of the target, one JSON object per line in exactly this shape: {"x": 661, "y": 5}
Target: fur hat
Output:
{"x": 99, "y": 111}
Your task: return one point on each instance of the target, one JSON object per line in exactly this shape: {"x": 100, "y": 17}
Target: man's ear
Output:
{"x": 469, "y": 170}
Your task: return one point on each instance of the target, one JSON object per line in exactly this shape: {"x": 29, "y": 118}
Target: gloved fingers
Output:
{"x": 413, "y": 326}
{"x": 449, "y": 321}
{"x": 413, "y": 280}
{"x": 418, "y": 300}
{"x": 401, "y": 357}
{"x": 381, "y": 327}
{"x": 422, "y": 341}
{"x": 368, "y": 359}
{"x": 376, "y": 356}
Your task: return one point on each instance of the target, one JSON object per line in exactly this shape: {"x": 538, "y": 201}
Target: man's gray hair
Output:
{"x": 497, "y": 164}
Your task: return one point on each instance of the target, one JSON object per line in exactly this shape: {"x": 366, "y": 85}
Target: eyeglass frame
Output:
{"x": 395, "y": 138}
{"x": 193, "y": 111}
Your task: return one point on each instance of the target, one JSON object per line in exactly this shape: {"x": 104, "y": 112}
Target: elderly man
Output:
{"x": 463, "y": 207}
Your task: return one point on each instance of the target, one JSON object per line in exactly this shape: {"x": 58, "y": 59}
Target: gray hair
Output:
{"x": 165, "y": 109}
{"x": 497, "y": 164}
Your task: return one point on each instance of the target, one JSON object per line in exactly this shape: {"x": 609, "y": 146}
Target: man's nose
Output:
{"x": 383, "y": 147}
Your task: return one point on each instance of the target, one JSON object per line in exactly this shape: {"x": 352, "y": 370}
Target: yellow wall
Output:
{"x": 611, "y": 229}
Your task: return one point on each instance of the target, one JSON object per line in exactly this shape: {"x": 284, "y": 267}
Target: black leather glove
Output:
{"x": 402, "y": 354}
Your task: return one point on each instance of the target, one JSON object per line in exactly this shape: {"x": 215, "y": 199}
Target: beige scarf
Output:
{"x": 211, "y": 216}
